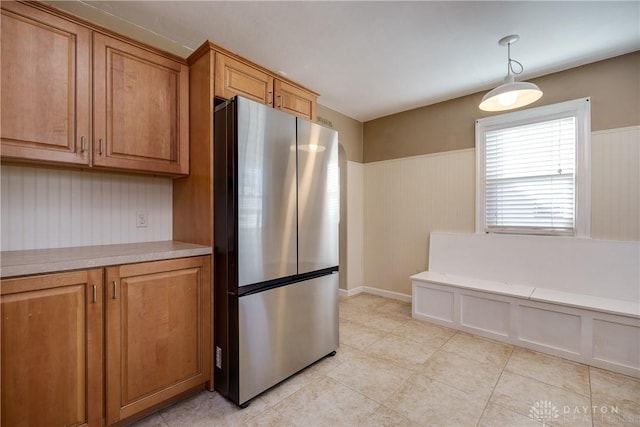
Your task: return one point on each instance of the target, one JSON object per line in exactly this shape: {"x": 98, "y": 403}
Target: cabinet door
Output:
{"x": 158, "y": 332}
{"x": 294, "y": 100}
{"x": 52, "y": 350}
{"x": 45, "y": 87}
{"x": 233, "y": 77}
{"x": 141, "y": 109}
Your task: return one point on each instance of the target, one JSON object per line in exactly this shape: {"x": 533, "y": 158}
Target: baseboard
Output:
{"x": 351, "y": 292}
{"x": 375, "y": 291}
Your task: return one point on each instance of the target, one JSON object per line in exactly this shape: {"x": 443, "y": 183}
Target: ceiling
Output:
{"x": 371, "y": 59}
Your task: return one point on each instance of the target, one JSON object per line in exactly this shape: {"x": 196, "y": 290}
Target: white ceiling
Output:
{"x": 371, "y": 59}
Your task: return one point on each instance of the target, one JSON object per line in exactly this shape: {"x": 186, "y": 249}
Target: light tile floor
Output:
{"x": 392, "y": 370}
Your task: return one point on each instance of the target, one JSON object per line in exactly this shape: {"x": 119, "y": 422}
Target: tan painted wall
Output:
{"x": 612, "y": 84}
{"x": 350, "y": 137}
{"x": 406, "y": 199}
{"x": 349, "y": 131}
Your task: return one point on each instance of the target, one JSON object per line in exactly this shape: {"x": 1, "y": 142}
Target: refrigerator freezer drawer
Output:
{"x": 283, "y": 330}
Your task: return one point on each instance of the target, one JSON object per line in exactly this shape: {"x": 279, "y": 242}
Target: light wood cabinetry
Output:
{"x": 140, "y": 107}
{"x": 158, "y": 333}
{"x": 45, "y": 86}
{"x": 233, "y": 77}
{"x": 77, "y": 351}
{"x": 217, "y": 72}
{"x": 193, "y": 195}
{"x": 294, "y": 100}
{"x": 52, "y": 349}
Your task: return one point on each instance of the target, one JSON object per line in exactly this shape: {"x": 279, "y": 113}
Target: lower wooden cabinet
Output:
{"x": 158, "y": 333}
{"x": 52, "y": 350}
{"x": 77, "y": 351}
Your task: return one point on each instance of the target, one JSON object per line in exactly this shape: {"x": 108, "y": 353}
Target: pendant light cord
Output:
{"x": 511, "y": 61}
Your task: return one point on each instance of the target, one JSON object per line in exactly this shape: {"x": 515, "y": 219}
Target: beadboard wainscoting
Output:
{"x": 58, "y": 208}
{"x": 405, "y": 199}
{"x": 355, "y": 227}
{"x": 615, "y": 184}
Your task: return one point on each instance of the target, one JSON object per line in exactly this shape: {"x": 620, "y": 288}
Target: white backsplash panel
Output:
{"x": 58, "y": 208}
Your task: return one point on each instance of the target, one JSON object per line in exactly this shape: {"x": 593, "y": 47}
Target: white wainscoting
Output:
{"x": 56, "y": 208}
{"x": 406, "y": 199}
{"x": 615, "y": 184}
{"x": 355, "y": 227}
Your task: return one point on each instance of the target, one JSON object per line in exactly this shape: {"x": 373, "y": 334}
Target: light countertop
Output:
{"x": 40, "y": 261}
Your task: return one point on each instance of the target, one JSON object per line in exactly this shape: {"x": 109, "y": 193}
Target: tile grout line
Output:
{"x": 491, "y": 394}
{"x": 387, "y": 398}
{"x": 591, "y": 397}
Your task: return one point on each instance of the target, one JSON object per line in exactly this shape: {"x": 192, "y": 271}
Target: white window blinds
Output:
{"x": 530, "y": 180}
{"x": 533, "y": 170}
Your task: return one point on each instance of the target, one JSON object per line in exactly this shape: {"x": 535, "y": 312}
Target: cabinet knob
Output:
{"x": 100, "y": 146}
{"x": 115, "y": 290}
{"x": 270, "y": 98}
{"x": 83, "y": 146}
{"x": 95, "y": 293}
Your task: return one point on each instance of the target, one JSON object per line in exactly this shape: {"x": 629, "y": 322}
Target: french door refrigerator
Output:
{"x": 276, "y": 213}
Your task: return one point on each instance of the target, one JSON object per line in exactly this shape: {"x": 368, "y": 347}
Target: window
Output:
{"x": 533, "y": 171}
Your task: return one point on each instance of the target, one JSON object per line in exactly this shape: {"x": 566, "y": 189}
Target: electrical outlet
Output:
{"x": 218, "y": 357}
{"x": 141, "y": 219}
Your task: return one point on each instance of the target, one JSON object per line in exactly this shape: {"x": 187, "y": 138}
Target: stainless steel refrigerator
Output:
{"x": 276, "y": 207}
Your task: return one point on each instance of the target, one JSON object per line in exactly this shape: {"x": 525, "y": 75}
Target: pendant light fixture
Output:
{"x": 510, "y": 94}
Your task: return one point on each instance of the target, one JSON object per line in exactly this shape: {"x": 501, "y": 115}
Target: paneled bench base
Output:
{"x": 605, "y": 333}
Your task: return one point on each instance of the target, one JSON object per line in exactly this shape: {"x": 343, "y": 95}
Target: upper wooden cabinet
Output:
{"x": 294, "y": 100}
{"x": 233, "y": 77}
{"x": 52, "y": 358}
{"x": 45, "y": 86}
{"x": 215, "y": 71}
{"x": 140, "y": 96}
{"x": 140, "y": 109}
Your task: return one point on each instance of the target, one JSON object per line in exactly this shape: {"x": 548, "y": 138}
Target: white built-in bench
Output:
{"x": 570, "y": 297}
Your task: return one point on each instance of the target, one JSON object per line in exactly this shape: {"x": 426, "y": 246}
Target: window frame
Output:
{"x": 581, "y": 109}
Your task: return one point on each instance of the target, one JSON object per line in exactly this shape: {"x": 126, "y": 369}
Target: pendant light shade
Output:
{"x": 510, "y": 94}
